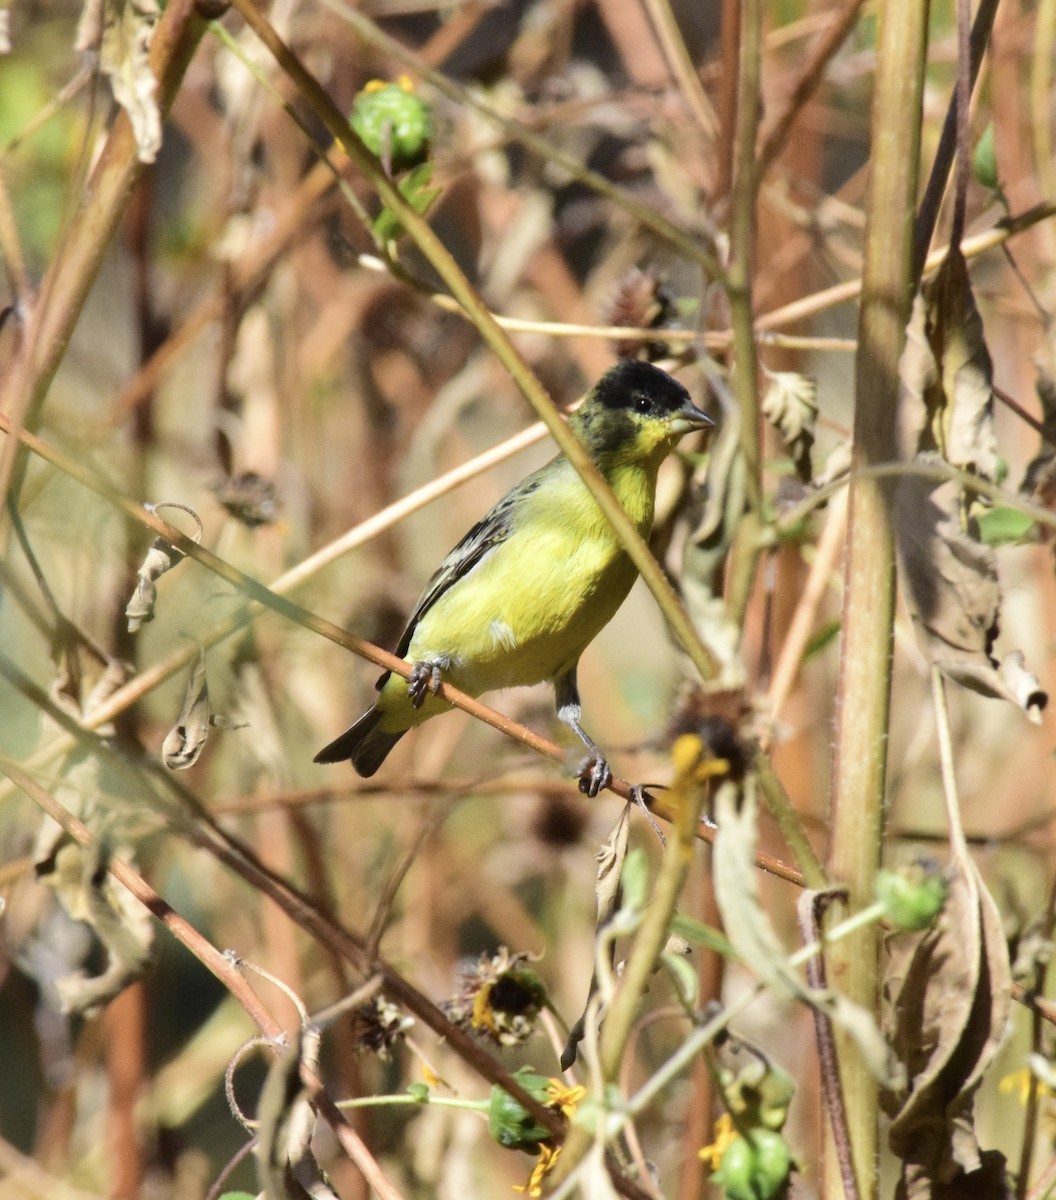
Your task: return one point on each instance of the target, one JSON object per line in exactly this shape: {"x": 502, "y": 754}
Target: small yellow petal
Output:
{"x": 725, "y": 1133}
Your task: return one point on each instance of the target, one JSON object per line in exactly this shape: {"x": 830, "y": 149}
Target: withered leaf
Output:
{"x": 120, "y": 31}
{"x": 791, "y": 406}
{"x": 707, "y": 550}
{"x": 949, "y": 578}
{"x": 947, "y": 374}
{"x": 186, "y": 739}
{"x": 288, "y": 1168}
{"x": 949, "y": 992}
{"x": 121, "y": 923}
{"x": 610, "y": 859}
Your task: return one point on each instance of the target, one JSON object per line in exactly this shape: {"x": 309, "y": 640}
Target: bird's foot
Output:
{"x": 594, "y": 775}
{"x": 424, "y": 678}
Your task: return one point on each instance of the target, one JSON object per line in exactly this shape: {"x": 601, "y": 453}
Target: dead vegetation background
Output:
{"x": 216, "y": 328}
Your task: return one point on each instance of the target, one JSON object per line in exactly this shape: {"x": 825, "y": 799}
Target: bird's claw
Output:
{"x": 594, "y": 775}
{"x": 424, "y": 678}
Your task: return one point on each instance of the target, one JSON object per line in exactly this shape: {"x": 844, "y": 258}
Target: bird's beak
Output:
{"x": 689, "y": 417}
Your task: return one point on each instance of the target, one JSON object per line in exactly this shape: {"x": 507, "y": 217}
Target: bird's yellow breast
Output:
{"x": 528, "y": 610}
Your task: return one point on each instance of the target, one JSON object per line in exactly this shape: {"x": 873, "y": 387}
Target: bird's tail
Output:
{"x": 364, "y": 743}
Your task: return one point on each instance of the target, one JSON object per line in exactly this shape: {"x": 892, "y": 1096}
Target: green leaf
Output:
{"x": 702, "y": 935}
{"x": 984, "y": 160}
{"x": 822, "y": 638}
{"x": 684, "y": 976}
{"x": 635, "y": 881}
{"x": 419, "y": 195}
{"x": 1004, "y": 526}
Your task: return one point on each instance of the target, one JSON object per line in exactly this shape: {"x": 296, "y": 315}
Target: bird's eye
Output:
{"x": 642, "y": 404}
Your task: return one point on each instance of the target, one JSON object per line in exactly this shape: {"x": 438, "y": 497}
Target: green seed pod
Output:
{"x": 913, "y": 897}
{"x": 394, "y": 123}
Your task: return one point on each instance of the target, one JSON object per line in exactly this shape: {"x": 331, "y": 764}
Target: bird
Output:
{"x": 520, "y": 597}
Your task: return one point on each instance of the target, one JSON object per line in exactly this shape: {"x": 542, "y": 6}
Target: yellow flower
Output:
{"x": 564, "y": 1099}
{"x": 544, "y": 1164}
{"x": 1019, "y": 1081}
{"x": 725, "y": 1133}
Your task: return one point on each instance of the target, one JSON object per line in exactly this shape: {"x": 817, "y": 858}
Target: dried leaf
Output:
{"x": 161, "y": 557}
{"x": 754, "y": 939}
{"x": 707, "y": 550}
{"x": 249, "y": 498}
{"x": 288, "y": 1169}
{"x": 610, "y": 859}
{"x": 949, "y": 993}
{"x": 950, "y": 582}
{"x": 120, "y": 922}
{"x": 186, "y": 739}
{"x": 791, "y": 406}
{"x": 947, "y": 375}
{"x": 123, "y": 42}
{"x": 1039, "y": 479}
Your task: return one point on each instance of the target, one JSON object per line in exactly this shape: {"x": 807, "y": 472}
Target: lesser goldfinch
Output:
{"x": 517, "y": 601}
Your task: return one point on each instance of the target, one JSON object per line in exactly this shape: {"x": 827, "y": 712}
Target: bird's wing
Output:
{"x": 488, "y": 533}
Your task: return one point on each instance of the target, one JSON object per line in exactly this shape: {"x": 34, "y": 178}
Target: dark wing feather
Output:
{"x": 490, "y": 531}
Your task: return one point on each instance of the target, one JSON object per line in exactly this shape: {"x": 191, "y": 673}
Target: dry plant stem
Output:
{"x": 780, "y": 808}
{"x": 77, "y": 260}
{"x": 241, "y": 860}
{"x": 430, "y": 245}
{"x": 864, "y": 683}
{"x": 810, "y": 910}
{"x": 648, "y": 217}
{"x": 207, "y": 954}
{"x": 803, "y": 621}
{"x": 11, "y": 246}
{"x": 649, "y": 942}
{"x": 744, "y": 558}
{"x": 1043, "y": 1189}
{"x": 1037, "y": 1046}
{"x": 1041, "y": 95}
{"x": 810, "y": 80}
{"x": 681, "y": 66}
{"x": 930, "y": 204}
{"x": 971, "y": 247}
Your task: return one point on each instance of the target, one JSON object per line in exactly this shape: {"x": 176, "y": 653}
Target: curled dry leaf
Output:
{"x": 791, "y": 406}
{"x": 120, "y": 922}
{"x": 753, "y": 937}
{"x": 186, "y": 739}
{"x": 950, "y": 582}
{"x": 949, "y": 993}
{"x": 948, "y": 574}
{"x": 707, "y": 550}
{"x": 161, "y": 557}
{"x": 947, "y": 375}
{"x": 610, "y": 859}
{"x": 121, "y": 32}
{"x": 287, "y": 1120}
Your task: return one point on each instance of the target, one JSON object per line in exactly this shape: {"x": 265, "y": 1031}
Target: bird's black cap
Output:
{"x": 631, "y": 378}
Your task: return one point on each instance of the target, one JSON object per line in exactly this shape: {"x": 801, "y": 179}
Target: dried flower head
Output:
{"x": 500, "y": 998}
{"x": 378, "y": 1025}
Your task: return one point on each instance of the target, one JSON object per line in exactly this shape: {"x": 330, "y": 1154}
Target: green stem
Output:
{"x": 864, "y": 684}
{"x": 744, "y": 557}
{"x": 641, "y": 963}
